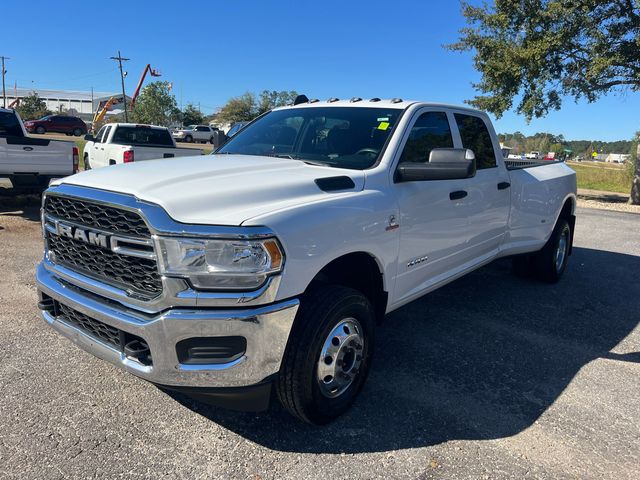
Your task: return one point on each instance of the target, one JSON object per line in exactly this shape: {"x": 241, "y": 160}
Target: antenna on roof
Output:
{"x": 301, "y": 99}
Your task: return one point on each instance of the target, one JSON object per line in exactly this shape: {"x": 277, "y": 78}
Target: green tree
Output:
{"x": 270, "y": 99}
{"x": 238, "y": 109}
{"x": 156, "y": 105}
{"x": 247, "y": 106}
{"x": 32, "y": 107}
{"x": 534, "y": 52}
{"x": 191, "y": 115}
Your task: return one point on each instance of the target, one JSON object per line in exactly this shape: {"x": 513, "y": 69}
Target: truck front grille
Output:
{"x": 131, "y": 345}
{"x": 136, "y": 275}
{"x": 94, "y": 215}
{"x": 95, "y": 328}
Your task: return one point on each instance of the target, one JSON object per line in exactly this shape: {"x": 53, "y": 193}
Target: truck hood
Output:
{"x": 217, "y": 189}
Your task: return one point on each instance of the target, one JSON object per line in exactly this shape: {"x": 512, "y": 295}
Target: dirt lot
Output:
{"x": 490, "y": 377}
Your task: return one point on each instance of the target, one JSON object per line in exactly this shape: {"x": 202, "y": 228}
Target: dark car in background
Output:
{"x": 58, "y": 124}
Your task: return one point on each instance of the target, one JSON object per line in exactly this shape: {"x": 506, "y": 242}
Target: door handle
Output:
{"x": 457, "y": 195}
{"x": 28, "y": 149}
{"x": 503, "y": 185}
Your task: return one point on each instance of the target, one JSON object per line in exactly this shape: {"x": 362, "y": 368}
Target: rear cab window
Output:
{"x": 142, "y": 135}
{"x": 475, "y": 136}
{"x": 9, "y": 125}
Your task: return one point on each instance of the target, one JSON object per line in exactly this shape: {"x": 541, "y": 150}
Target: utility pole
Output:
{"x": 4, "y": 93}
{"x": 120, "y": 59}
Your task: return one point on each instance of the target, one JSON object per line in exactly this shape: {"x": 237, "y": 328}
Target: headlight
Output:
{"x": 220, "y": 264}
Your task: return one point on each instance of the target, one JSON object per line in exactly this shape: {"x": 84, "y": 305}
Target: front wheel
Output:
{"x": 41, "y": 130}
{"x": 188, "y": 139}
{"x": 328, "y": 355}
{"x": 77, "y": 132}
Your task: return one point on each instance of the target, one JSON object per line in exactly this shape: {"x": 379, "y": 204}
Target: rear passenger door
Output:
{"x": 488, "y": 192}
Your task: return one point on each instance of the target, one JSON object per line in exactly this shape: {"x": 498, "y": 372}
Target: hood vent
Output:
{"x": 332, "y": 184}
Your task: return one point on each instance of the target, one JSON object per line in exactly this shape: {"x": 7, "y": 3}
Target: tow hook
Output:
{"x": 138, "y": 350}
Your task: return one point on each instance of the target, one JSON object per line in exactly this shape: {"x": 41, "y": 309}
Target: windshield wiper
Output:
{"x": 317, "y": 164}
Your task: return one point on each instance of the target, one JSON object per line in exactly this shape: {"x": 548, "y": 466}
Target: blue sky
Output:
{"x": 215, "y": 50}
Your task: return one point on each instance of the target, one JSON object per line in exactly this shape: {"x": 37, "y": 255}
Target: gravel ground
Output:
{"x": 492, "y": 376}
{"x": 601, "y": 205}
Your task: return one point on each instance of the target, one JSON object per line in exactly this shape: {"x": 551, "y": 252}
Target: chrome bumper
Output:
{"x": 265, "y": 328}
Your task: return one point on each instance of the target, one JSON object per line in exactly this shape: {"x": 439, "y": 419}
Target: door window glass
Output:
{"x": 98, "y": 136}
{"x": 430, "y": 131}
{"x": 475, "y": 136}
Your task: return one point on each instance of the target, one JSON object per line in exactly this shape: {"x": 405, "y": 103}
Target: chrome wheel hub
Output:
{"x": 340, "y": 357}
{"x": 561, "y": 251}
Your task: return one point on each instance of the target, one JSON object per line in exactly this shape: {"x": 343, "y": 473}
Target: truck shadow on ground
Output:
{"x": 481, "y": 358}
{"x": 19, "y": 202}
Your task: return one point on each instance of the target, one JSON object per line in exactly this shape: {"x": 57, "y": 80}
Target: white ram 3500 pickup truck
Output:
{"x": 269, "y": 263}
{"x": 128, "y": 142}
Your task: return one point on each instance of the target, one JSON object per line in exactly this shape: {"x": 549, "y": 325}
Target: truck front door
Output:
{"x": 433, "y": 221}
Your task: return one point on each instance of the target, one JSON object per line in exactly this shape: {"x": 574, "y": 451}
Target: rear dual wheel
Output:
{"x": 329, "y": 354}
{"x": 549, "y": 263}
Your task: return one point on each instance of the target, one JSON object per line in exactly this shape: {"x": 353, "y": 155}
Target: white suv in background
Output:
{"x": 195, "y": 133}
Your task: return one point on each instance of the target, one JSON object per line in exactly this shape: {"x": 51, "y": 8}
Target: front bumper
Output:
{"x": 266, "y": 329}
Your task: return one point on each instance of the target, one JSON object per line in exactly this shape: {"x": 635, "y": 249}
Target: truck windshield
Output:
{"x": 141, "y": 135}
{"x": 343, "y": 137}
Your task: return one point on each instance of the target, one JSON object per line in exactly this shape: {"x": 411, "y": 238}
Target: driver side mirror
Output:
{"x": 444, "y": 164}
{"x": 88, "y": 137}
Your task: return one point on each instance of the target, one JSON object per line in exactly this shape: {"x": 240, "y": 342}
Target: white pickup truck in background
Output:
{"x": 270, "y": 264}
{"x": 32, "y": 162}
{"x": 128, "y": 142}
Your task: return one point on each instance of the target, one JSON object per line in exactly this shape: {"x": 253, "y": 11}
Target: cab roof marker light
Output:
{"x": 396, "y": 100}
{"x": 355, "y": 99}
{"x": 314, "y": 100}
{"x": 301, "y": 99}
{"x": 332, "y": 99}
{"x": 375, "y": 99}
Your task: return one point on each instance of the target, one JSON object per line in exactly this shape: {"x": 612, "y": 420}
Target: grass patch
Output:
{"x": 597, "y": 177}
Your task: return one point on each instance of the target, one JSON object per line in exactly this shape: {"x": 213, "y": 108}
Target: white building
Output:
{"x": 82, "y": 104}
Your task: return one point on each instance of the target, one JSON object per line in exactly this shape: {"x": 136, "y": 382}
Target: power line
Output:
{"x": 120, "y": 59}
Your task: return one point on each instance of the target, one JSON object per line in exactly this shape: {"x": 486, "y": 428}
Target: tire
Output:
{"x": 333, "y": 332}
{"x": 211, "y": 141}
{"x": 77, "y": 132}
{"x": 87, "y": 165}
{"x": 188, "y": 139}
{"x": 40, "y": 130}
{"x": 551, "y": 261}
